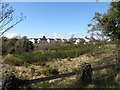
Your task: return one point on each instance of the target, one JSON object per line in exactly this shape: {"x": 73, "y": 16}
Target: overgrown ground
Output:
{"x": 64, "y": 59}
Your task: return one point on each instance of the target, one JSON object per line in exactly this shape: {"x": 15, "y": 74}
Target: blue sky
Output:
{"x": 55, "y": 19}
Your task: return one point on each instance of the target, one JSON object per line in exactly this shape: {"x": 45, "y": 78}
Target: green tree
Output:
{"x": 109, "y": 25}
{"x": 24, "y": 45}
{"x": 109, "y": 22}
{"x": 16, "y": 45}
{"x": 4, "y": 41}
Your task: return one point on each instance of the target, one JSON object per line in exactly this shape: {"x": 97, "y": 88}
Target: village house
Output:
{"x": 38, "y": 40}
{"x": 58, "y": 40}
{"x": 64, "y": 40}
{"x": 87, "y": 40}
{"x": 34, "y": 40}
{"x": 79, "y": 40}
{"x": 43, "y": 40}
{"x": 51, "y": 40}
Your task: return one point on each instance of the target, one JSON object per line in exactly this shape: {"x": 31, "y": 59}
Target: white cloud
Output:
{"x": 54, "y": 35}
{"x": 38, "y": 36}
{"x": 73, "y": 33}
{"x": 41, "y": 35}
{"x": 57, "y": 35}
{"x": 10, "y": 35}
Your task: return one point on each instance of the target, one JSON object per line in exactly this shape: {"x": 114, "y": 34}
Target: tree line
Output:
{"x": 20, "y": 45}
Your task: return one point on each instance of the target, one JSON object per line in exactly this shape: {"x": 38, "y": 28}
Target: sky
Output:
{"x": 55, "y": 19}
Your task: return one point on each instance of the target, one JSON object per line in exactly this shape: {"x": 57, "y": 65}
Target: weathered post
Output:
{"x": 86, "y": 74}
{"x": 11, "y": 82}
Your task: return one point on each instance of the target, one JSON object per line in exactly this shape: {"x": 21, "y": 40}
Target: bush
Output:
{"x": 67, "y": 51}
{"x": 24, "y": 56}
{"x": 14, "y": 45}
{"x": 46, "y": 46}
{"x": 49, "y": 71}
{"x": 11, "y": 60}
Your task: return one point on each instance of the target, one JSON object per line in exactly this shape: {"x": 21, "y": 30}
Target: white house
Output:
{"x": 32, "y": 40}
{"x": 64, "y": 40}
{"x": 58, "y": 40}
{"x": 51, "y": 40}
{"x": 87, "y": 40}
{"x": 77, "y": 41}
{"x": 38, "y": 40}
{"x": 43, "y": 40}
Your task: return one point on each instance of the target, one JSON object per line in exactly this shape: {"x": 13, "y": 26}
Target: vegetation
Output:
{"x": 45, "y": 46}
{"x": 21, "y": 53}
{"x": 49, "y": 71}
{"x": 67, "y": 51}
{"x": 108, "y": 24}
{"x": 14, "y": 45}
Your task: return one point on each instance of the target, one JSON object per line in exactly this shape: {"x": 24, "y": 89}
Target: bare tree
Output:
{"x": 6, "y": 18}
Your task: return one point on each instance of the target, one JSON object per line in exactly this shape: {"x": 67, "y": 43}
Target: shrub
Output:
{"x": 25, "y": 56}
{"x": 11, "y": 60}
{"x": 13, "y": 45}
{"x": 46, "y": 46}
{"x": 49, "y": 71}
{"x": 67, "y": 51}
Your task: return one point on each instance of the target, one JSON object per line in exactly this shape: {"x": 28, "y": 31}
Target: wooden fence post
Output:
{"x": 11, "y": 82}
{"x": 86, "y": 77}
